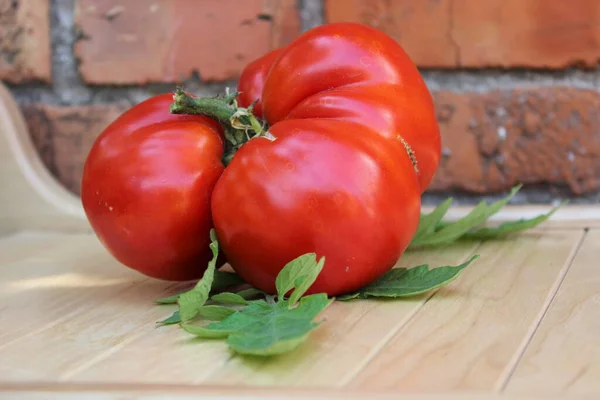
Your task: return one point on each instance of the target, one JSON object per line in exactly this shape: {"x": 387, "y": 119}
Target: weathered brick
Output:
{"x": 493, "y": 141}
{"x": 25, "y": 41}
{"x": 140, "y": 41}
{"x": 490, "y": 33}
{"x": 64, "y": 135}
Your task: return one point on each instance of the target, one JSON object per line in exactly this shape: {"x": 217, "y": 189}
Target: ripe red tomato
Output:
{"x": 146, "y": 189}
{"x": 355, "y": 144}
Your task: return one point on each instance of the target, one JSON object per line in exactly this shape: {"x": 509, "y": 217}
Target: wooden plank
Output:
{"x": 468, "y": 335}
{"x": 352, "y": 331}
{"x": 155, "y": 392}
{"x": 66, "y": 303}
{"x": 45, "y": 278}
{"x": 564, "y": 354}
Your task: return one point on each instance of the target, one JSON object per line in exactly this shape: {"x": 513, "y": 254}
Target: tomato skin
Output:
{"x": 356, "y": 143}
{"x": 316, "y": 188}
{"x": 146, "y": 189}
{"x": 321, "y": 66}
{"x": 252, "y": 80}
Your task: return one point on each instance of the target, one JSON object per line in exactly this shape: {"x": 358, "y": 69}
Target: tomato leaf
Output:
{"x": 428, "y": 222}
{"x": 449, "y": 232}
{"x": 191, "y": 301}
{"x": 299, "y": 274}
{"x": 403, "y": 282}
{"x": 173, "y": 319}
{"x": 229, "y": 298}
{"x": 266, "y": 328}
{"x": 216, "y": 313}
{"x": 169, "y": 300}
{"x": 510, "y": 227}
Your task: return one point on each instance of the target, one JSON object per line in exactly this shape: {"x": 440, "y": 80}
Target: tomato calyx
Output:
{"x": 239, "y": 123}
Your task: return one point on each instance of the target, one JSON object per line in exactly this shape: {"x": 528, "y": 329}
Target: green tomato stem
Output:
{"x": 239, "y": 124}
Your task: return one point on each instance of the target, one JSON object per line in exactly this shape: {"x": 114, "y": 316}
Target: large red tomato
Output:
{"x": 146, "y": 189}
{"x": 354, "y": 144}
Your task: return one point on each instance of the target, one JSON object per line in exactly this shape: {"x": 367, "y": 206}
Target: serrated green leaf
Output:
{"x": 299, "y": 274}
{"x": 403, "y": 282}
{"x": 173, "y": 319}
{"x": 428, "y": 222}
{"x": 264, "y": 328}
{"x": 216, "y": 313}
{"x": 510, "y": 227}
{"x": 229, "y": 298}
{"x": 250, "y": 293}
{"x": 450, "y": 232}
{"x": 191, "y": 301}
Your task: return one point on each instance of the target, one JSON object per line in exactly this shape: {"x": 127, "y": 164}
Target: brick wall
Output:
{"x": 515, "y": 81}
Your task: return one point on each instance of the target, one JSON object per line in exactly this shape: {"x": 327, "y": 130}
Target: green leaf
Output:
{"x": 221, "y": 280}
{"x": 264, "y": 328}
{"x": 402, "y": 282}
{"x": 428, "y": 222}
{"x": 203, "y": 332}
{"x": 192, "y": 301}
{"x": 224, "y": 280}
{"x": 299, "y": 274}
{"x": 250, "y": 293}
{"x": 173, "y": 319}
{"x": 450, "y": 232}
{"x": 216, "y": 313}
{"x": 510, "y": 227}
{"x": 169, "y": 300}
{"x": 229, "y": 298}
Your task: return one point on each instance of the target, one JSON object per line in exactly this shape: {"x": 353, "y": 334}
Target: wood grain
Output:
{"x": 353, "y": 332}
{"x": 65, "y": 301}
{"x": 564, "y": 354}
{"x": 344, "y": 340}
{"x": 468, "y": 335}
{"x": 162, "y": 392}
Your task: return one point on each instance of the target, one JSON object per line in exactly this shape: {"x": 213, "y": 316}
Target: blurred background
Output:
{"x": 515, "y": 82}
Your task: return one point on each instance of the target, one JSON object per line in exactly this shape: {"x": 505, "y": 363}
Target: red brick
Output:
{"x": 490, "y": 33}
{"x": 25, "y": 41}
{"x": 140, "y": 41}
{"x": 495, "y": 140}
{"x": 492, "y": 141}
{"x": 64, "y": 135}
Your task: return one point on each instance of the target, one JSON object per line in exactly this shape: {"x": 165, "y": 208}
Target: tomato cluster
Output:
{"x": 353, "y": 142}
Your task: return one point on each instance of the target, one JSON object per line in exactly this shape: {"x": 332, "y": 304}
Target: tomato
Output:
{"x": 252, "y": 80}
{"x": 354, "y": 142}
{"x": 146, "y": 189}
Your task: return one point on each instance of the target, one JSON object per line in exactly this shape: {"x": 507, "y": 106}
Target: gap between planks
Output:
{"x": 503, "y": 382}
{"x": 564, "y": 355}
{"x": 468, "y": 341}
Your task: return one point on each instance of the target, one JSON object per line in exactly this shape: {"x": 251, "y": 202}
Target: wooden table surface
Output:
{"x": 522, "y": 322}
